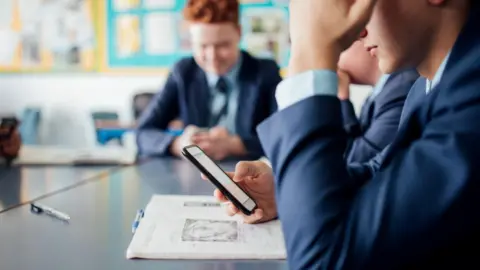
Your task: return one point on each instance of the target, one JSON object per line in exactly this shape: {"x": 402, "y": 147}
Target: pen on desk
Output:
{"x": 136, "y": 222}
{"x": 38, "y": 208}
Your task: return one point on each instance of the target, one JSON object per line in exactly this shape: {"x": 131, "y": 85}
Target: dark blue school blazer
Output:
{"x": 377, "y": 124}
{"x": 186, "y": 96}
{"x": 419, "y": 210}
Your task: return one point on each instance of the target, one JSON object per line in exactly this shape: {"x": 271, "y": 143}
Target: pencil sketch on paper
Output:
{"x": 201, "y": 204}
{"x": 207, "y": 230}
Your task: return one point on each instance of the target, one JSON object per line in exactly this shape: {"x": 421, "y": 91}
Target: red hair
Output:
{"x": 212, "y": 11}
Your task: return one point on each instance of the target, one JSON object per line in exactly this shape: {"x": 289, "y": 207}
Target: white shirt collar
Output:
{"x": 380, "y": 85}
{"x": 438, "y": 76}
{"x": 230, "y": 77}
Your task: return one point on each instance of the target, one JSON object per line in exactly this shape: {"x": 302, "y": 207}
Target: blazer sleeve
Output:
{"x": 151, "y": 135}
{"x": 414, "y": 204}
{"x": 271, "y": 78}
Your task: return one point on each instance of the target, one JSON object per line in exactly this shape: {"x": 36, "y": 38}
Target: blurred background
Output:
{"x": 78, "y": 73}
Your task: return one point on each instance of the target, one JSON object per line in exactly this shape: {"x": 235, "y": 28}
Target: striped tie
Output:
{"x": 220, "y": 102}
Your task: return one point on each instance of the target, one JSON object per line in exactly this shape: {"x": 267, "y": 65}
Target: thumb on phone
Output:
{"x": 244, "y": 170}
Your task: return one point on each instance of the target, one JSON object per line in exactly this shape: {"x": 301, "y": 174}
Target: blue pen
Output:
{"x": 136, "y": 222}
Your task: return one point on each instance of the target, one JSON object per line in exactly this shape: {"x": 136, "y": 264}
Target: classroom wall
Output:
{"x": 67, "y": 99}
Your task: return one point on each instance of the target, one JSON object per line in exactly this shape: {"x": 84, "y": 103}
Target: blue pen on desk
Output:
{"x": 136, "y": 222}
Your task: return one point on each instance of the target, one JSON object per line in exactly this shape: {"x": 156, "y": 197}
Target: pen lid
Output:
{"x": 35, "y": 208}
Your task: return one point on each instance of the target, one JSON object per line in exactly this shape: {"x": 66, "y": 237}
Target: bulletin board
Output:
{"x": 47, "y": 35}
{"x": 151, "y": 35}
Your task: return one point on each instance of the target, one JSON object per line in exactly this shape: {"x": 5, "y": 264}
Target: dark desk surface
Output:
{"x": 100, "y": 229}
{"x": 25, "y": 183}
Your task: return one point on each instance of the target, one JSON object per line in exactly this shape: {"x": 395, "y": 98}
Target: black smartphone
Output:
{"x": 220, "y": 179}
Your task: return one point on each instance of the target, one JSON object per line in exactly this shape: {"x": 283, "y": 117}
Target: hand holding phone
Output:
{"x": 220, "y": 179}
{"x": 10, "y": 140}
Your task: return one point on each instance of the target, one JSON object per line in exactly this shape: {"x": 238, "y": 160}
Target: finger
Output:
{"x": 361, "y": 11}
{"x": 230, "y": 174}
{"x": 206, "y": 147}
{"x": 218, "y": 132}
{"x": 219, "y": 195}
{"x": 189, "y": 130}
{"x": 199, "y": 137}
{"x": 243, "y": 169}
{"x": 255, "y": 217}
{"x": 232, "y": 209}
{"x": 204, "y": 177}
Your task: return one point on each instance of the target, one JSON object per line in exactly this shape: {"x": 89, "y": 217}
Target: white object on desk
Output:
{"x": 197, "y": 227}
{"x": 52, "y": 155}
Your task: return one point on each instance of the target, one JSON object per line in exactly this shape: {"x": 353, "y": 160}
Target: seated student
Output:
{"x": 220, "y": 94}
{"x": 418, "y": 211}
{"x": 380, "y": 115}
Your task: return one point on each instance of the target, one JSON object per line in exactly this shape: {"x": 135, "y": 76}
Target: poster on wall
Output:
{"x": 128, "y": 35}
{"x": 121, "y": 5}
{"x": 47, "y": 35}
{"x": 161, "y": 4}
{"x": 265, "y": 32}
{"x": 153, "y": 34}
{"x": 160, "y": 34}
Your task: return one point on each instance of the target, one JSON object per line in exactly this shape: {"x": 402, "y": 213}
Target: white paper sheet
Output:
{"x": 160, "y": 33}
{"x": 164, "y": 4}
{"x": 9, "y": 40}
{"x": 196, "y": 227}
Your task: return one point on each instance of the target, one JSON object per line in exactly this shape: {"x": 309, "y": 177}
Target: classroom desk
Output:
{"x": 21, "y": 184}
{"x": 100, "y": 228}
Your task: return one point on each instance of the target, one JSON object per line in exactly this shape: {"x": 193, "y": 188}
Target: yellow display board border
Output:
{"x": 8, "y": 70}
{"x": 103, "y": 67}
{"x": 100, "y": 65}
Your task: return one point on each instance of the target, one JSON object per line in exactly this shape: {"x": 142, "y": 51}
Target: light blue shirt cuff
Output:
{"x": 305, "y": 85}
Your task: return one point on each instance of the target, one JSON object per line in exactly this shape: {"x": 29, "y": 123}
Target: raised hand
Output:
{"x": 321, "y": 29}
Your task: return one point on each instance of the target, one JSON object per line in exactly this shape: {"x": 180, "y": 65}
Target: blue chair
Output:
{"x": 140, "y": 102}
{"x": 29, "y": 125}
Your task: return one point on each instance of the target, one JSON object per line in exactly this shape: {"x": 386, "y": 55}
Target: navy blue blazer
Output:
{"x": 363, "y": 171}
{"x": 377, "y": 124}
{"x": 419, "y": 210}
{"x": 186, "y": 96}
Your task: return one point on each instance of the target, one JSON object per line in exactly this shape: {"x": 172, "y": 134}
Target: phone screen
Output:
{"x": 219, "y": 175}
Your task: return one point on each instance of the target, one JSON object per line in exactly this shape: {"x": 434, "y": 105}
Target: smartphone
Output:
{"x": 220, "y": 179}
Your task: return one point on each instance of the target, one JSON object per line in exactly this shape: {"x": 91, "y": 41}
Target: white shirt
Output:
{"x": 323, "y": 82}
